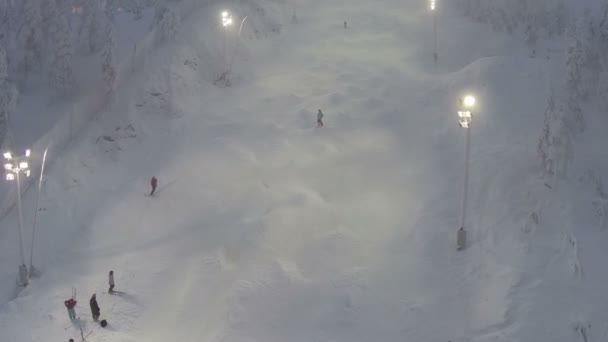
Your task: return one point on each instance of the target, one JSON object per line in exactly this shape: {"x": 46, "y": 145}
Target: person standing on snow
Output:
{"x": 111, "y": 282}
{"x": 94, "y": 308}
{"x": 70, "y": 304}
{"x": 153, "y": 183}
{"x": 320, "y": 118}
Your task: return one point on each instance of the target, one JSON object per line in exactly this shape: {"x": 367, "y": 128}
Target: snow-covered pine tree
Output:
{"x": 574, "y": 66}
{"x": 506, "y": 21}
{"x": 65, "y": 7}
{"x": 539, "y": 17}
{"x": 573, "y": 118}
{"x": 30, "y": 38}
{"x": 3, "y": 66}
{"x": 521, "y": 10}
{"x": 107, "y": 66}
{"x": 61, "y": 73}
{"x": 167, "y": 22}
{"x": 558, "y": 19}
{"x": 592, "y": 62}
{"x": 561, "y": 142}
{"x": 4, "y": 31}
{"x": 603, "y": 93}
{"x": 12, "y": 17}
{"x": 603, "y": 35}
{"x": 134, "y": 7}
{"x": 544, "y": 143}
{"x": 531, "y": 39}
{"x": 8, "y": 96}
{"x": 4, "y": 13}
{"x": 49, "y": 13}
{"x": 110, "y": 9}
{"x": 496, "y": 19}
{"x": 89, "y": 29}
{"x": 562, "y": 123}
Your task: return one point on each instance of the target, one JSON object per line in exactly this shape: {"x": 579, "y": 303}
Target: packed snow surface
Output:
{"x": 267, "y": 228}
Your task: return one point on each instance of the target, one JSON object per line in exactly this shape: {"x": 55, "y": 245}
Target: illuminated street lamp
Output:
{"x": 465, "y": 117}
{"x": 14, "y": 166}
{"x": 433, "y": 8}
{"x": 227, "y": 22}
{"x": 226, "y": 19}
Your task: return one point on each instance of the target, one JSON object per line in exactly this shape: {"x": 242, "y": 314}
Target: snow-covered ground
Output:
{"x": 266, "y": 228}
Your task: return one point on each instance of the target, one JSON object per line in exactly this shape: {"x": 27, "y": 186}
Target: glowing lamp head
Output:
{"x": 226, "y": 19}
{"x": 10, "y": 176}
{"x": 8, "y": 155}
{"x": 23, "y": 165}
{"x": 27, "y": 173}
{"x": 8, "y": 167}
{"x": 468, "y": 101}
{"x": 433, "y": 5}
{"x": 28, "y": 152}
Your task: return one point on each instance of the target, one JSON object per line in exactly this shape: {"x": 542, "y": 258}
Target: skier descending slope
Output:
{"x": 320, "y": 118}
{"x": 111, "y": 282}
{"x": 153, "y": 183}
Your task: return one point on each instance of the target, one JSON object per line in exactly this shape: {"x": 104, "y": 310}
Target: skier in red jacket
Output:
{"x": 70, "y": 304}
{"x": 153, "y": 182}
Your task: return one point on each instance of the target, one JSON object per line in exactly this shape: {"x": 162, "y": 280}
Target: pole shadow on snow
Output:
{"x": 166, "y": 186}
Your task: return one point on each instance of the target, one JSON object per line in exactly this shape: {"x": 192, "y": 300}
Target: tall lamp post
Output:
{"x": 433, "y": 7}
{"x": 233, "y": 55}
{"x": 14, "y": 166}
{"x": 465, "y": 117}
{"x": 32, "y": 270}
{"x": 227, "y": 21}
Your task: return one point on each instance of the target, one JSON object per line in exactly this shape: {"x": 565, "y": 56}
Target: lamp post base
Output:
{"x": 461, "y": 239}
{"x": 23, "y": 276}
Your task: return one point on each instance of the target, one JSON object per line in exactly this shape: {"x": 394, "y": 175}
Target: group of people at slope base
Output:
{"x": 70, "y": 304}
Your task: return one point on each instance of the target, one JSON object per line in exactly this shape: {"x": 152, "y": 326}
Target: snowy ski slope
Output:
{"x": 267, "y": 228}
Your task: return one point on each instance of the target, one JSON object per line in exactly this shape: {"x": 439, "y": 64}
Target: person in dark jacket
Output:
{"x": 111, "y": 282}
{"x": 153, "y": 182}
{"x": 70, "y": 304}
{"x": 94, "y": 308}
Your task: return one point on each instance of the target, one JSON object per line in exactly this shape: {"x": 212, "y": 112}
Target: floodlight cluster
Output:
{"x": 465, "y": 115}
{"x": 14, "y": 165}
{"x": 226, "y": 19}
